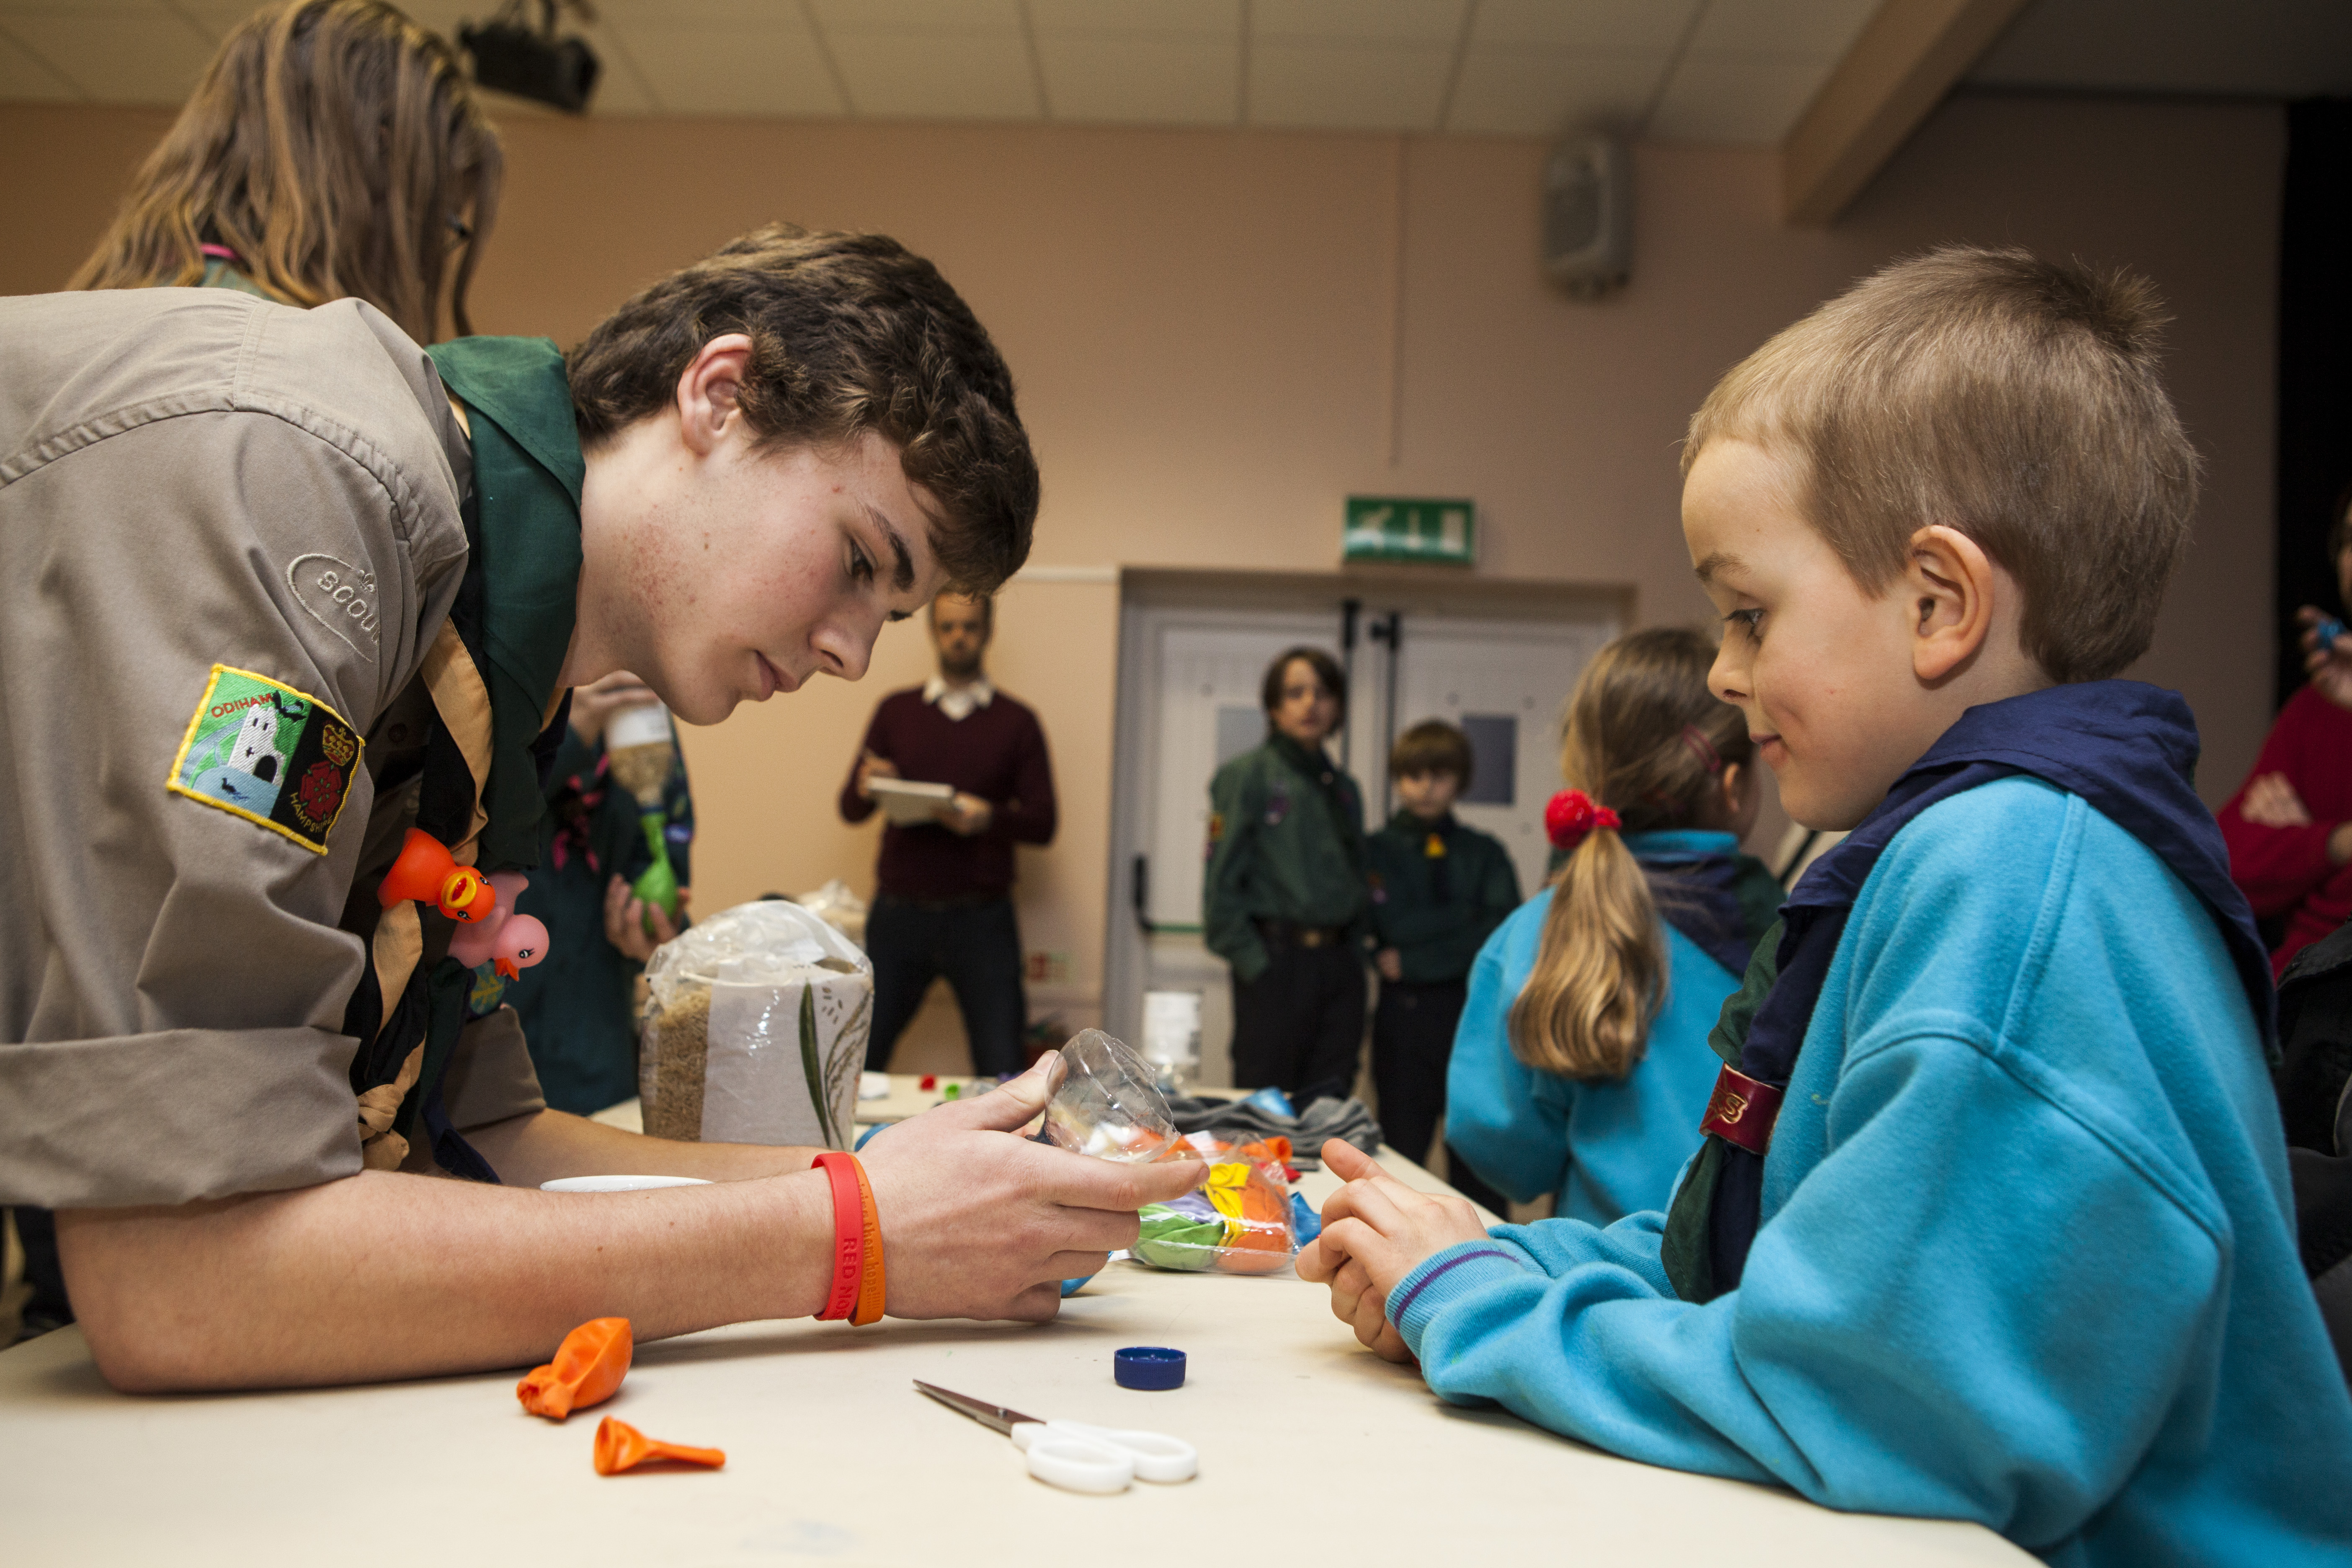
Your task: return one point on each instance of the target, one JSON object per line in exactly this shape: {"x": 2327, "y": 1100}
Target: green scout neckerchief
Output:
{"x": 514, "y": 615}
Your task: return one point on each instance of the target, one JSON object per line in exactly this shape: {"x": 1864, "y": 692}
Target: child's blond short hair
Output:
{"x": 2013, "y": 399}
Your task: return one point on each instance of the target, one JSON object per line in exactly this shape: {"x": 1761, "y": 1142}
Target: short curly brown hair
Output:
{"x": 2013, "y": 399}
{"x": 850, "y": 333}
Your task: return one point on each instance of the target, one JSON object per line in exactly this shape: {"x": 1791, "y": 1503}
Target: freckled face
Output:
{"x": 776, "y": 566}
{"x": 1821, "y": 670}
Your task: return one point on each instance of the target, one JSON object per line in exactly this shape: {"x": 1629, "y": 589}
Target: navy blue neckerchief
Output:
{"x": 2127, "y": 748}
{"x": 1693, "y": 888}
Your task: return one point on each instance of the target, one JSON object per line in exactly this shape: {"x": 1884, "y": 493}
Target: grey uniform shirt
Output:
{"x": 191, "y": 479}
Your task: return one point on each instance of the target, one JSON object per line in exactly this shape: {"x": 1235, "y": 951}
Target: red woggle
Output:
{"x": 1742, "y": 1111}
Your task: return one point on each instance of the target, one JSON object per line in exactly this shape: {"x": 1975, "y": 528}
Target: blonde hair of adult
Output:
{"x": 2013, "y": 399}
{"x": 1645, "y": 738}
{"x": 337, "y": 147}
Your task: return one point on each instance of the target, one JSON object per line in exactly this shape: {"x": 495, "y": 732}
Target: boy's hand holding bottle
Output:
{"x": 1377, "y": 1230}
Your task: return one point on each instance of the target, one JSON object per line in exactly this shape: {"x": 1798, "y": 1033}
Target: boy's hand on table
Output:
{"x": 977, "y": 1222}
{"x": 1389, "y": 963}
{"x": 1377, "y": 1230}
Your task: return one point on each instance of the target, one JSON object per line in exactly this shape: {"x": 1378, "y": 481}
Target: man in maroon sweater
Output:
{"x": 944, "y": 903}
{"x": 2289, "y": 826}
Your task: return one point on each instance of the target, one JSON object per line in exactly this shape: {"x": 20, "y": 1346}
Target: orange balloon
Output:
{"x": 587, "y": 1370}
{"x": 621, "y": 1446}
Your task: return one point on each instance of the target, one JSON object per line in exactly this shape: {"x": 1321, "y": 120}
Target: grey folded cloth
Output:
{"x": 1239, "y": 1121}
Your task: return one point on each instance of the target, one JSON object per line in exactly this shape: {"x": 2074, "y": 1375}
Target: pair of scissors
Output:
{"x": 1075, "y": 1456}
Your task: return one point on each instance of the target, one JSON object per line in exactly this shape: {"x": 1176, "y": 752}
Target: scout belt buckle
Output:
{"x": 1742, "y": 1111}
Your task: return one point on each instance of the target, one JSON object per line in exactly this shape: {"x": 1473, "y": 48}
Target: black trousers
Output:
{"x": 1412, "y": 1041}
{"x": 977, "y": 945}
{"x": 1300, "y": 1025}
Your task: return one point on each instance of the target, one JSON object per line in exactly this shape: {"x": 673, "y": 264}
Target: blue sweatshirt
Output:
{"x": 2028, "y": 1251}
{"x": 1607, "y": 1148}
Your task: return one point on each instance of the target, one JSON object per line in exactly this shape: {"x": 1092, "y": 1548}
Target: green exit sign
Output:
{"x": 1399, "y": 528}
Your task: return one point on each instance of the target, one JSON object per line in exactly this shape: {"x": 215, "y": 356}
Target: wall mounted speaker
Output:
{"x": 1588, "y": 216}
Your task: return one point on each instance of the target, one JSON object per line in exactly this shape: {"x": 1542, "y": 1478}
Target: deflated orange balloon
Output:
{"x": 621, "y": 1446}
{"x": 587, "y": 1370}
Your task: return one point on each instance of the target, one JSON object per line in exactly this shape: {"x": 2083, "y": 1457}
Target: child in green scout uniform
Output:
{"x": 1438, "y": 888}
{"x": 1283, "y": 900}
{"x": 288, "y": 585}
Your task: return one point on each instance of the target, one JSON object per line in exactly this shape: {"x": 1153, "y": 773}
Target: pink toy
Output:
{"x": 509, "y": 941}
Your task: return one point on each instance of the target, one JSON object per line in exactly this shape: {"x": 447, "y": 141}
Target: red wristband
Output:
{"x": 849, "y": 1234}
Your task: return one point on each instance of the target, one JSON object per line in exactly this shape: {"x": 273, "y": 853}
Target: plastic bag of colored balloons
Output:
{"x": 1237, "y": 1222}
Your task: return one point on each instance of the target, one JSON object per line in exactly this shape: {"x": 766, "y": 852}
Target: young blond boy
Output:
{"x": 2010, "y": 1238}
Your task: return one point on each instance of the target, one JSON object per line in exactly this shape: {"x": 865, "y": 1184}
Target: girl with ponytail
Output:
{"x": 1581, "y": 1067}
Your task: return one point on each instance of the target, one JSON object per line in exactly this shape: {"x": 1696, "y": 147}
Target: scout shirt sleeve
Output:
{"x": 1359, "y": 932}
{"x": 1496, "y": 1117}
{"x": 175, "y": 981}
{"x": 1922, "y": 1327}
{"x": 1237, "y": 808}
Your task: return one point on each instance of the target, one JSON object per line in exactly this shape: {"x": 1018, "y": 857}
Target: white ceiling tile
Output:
{"x": 1142, "y": 80}
{"x": 724, "y": 69}
{"x": 1399, "y": 21}
{"x": 1749, "y": 101}
{"x": 1348, "y": 87}
{"x": 967, "y": 17}
{"x": 1219, "y": 18}
{"x": 1637, "y": 26}
{"x": 114, "y": 58}
{"x": 1826, "y": 27}
{"x": 1544, "y": 92}
{"x": 24, "y": 79}
{"x": 905, "y": 76}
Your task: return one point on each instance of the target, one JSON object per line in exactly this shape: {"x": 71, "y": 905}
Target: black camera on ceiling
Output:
{"x": 510, "y": 56}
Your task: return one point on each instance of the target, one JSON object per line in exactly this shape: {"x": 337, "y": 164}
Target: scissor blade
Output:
{"x": 995, "y": 1415}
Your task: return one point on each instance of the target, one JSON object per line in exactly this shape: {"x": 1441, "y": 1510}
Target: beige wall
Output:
{"x": 1218, "y": 335}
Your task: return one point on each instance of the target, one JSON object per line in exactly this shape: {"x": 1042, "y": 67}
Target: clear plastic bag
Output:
{"x": 754, "y": 1029}
{"x": 1240, "y": 1221}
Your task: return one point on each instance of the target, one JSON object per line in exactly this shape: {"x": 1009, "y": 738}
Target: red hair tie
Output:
{"x": 1572, "y": 816}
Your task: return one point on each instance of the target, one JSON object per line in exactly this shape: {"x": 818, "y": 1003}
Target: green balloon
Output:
{"x": 659, "y": 884}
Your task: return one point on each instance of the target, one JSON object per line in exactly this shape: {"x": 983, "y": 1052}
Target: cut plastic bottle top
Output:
{"x": 1107, "y": 1105}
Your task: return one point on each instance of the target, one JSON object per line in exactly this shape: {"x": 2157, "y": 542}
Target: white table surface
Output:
{"x": 1312, "y": 1451}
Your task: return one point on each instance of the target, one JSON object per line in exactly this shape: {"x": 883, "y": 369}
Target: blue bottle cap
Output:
{"x": 1148, "y": 1366}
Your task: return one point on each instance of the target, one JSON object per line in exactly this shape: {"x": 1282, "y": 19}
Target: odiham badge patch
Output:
{"x": 266, "y": 753}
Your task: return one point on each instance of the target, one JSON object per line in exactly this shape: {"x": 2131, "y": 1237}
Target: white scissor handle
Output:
{"x": 1156, "y": 1456}
{"x": 1075, "y": 1463}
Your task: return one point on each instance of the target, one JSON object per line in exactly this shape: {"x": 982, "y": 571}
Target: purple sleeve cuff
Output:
{"x": 1446, "y": 1277}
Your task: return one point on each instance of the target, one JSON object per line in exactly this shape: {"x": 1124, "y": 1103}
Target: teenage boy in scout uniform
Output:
{"x": 1284, "y": 900}
{"x": 280, "y": 586}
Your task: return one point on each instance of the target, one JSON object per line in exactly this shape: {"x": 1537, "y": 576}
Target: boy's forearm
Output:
{"x": 389, "y": 1276}
{"x": 528, "y": 1149}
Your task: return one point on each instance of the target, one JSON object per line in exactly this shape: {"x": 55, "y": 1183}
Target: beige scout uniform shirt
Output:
{"x": 186, "y": 476}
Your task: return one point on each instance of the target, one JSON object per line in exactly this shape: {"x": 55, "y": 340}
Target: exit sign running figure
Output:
{"x": 1397, "y": 528}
